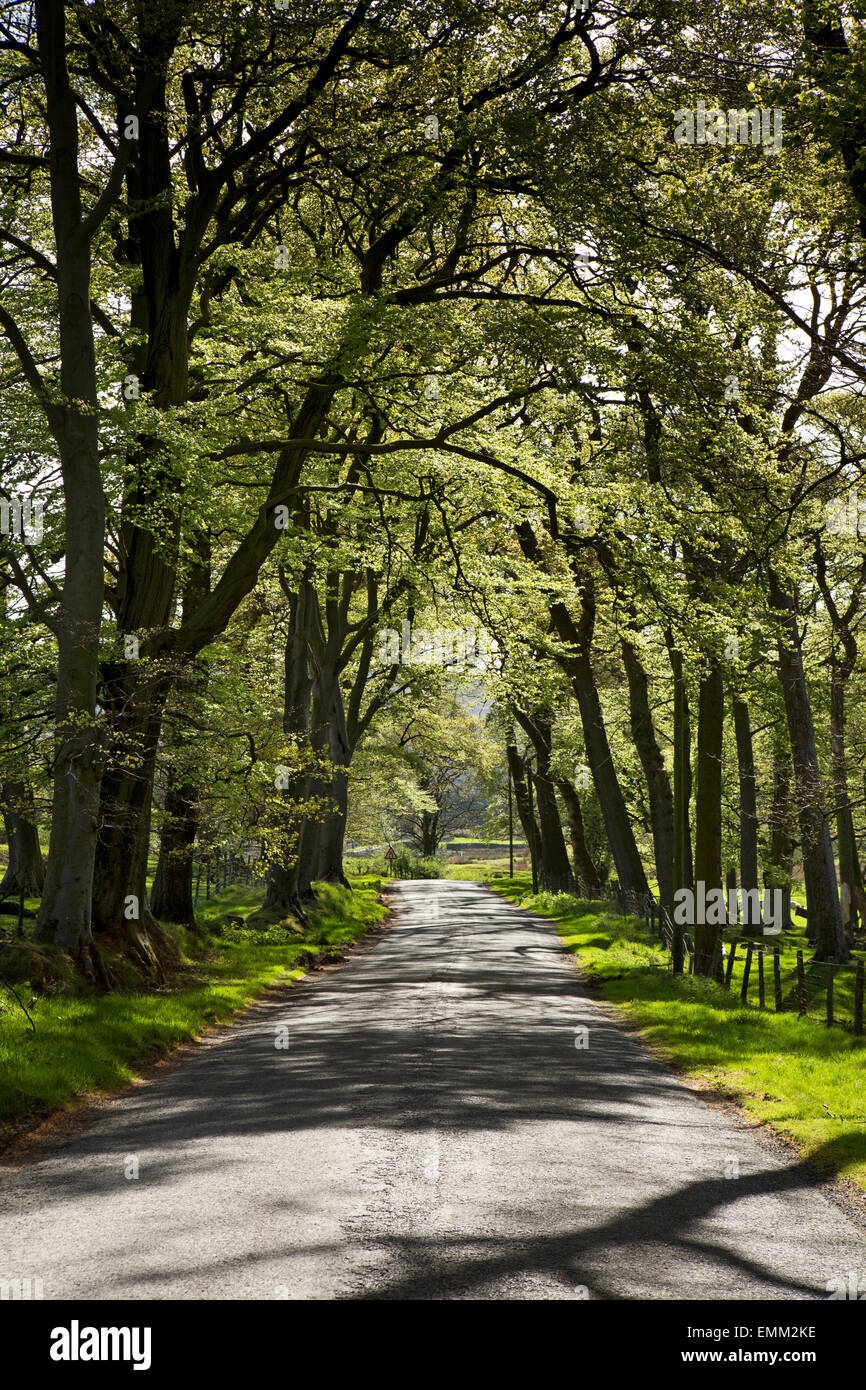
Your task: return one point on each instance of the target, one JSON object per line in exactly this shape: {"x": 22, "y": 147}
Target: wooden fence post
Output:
{"x": 746, "y": 972}
{"x": 761, "y": 980}
{"x": 801, "y": 985}
{"x": 777, "y": 978}
{"x": 730, "y": 969}
{"x": 858, "y": 999}
{"x": 677, "y": 948}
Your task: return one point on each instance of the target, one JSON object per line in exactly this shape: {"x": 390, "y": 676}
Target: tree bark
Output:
{"x": 65, "y": 909}
{"x": 819, "y": 869}
{"x": 120, "y": 906}
{"x": 577, "y": 664}
{"x": 748, "y": 812}
{"x": 171, "y": 898}
{"x": 25, "y": 872}
{"x": 708, "y": 823}
{"x": 683, "y": 873}
{"x": 282, "y": 891}
{"x": 555, "y": 873}
{"x": 658, "y": 783}
{"x": 172, "y": 893}
{"x": 333, "y": 831}
{"x": 852, "y": 897}
{"x": 170, "y": 260}
{"x": 525, "y": 811}
{"x": 623, "y": 847}
{"x": 429, "y": 833}
{"x": 585, "y": 871}
{"x": 324, "y": 734}
{"x": 778, "y": 874}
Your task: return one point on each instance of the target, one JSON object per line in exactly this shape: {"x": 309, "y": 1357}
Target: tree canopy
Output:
{"x": 409, "y": 406}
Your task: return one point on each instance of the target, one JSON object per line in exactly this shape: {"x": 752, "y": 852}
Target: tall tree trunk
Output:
{"x": 843, "y": 661}
{"x": 525, "y": 811}
{"x": 282, "y": 891}
{"x": 65, "y": 910}
{"x": 683, "y": 871}
{"x": 334, "y": 832}
{"x": 429, "y": 824}
{"x": 171, "y": 898}
{"x": 318, "y": 787}
{"x": 585, "y": 871}
{"x": 554, "y": 869}
{"x": 661, "y": 800}
{"x": 623, "y": 847}
{"x": 708, "y": 823}
{"x": 852, "y": 899}
{"x": 334, "y": 825}
{"x": 172, "y": 893}
{"x": 134, "y": 689}
{"x": 170, "y": 254}
{"x": 819, "y": 869}
{"x": 778, "y": 873}
{"x": 120, "y": 905}
{"x": 748, "y": 812}
{"x": 25, "y": 871}
{"x": 577, "y": 664}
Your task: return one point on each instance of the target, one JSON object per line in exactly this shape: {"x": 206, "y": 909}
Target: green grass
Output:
{"x": 87, "y": 1045}
{"x": 476, "y": 870}
{"x": 480, "y": 870}
{"x": 805, "y": 1080}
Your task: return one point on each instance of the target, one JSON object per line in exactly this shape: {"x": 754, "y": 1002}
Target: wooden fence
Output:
{"x": 220, "y": 867}
{"x": 764, "y": 970}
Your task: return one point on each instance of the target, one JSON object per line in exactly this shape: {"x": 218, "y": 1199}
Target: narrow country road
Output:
{"x": 431, "y": 1132}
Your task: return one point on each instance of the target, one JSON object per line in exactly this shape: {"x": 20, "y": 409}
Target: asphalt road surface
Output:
{"x": 431, "y": 1132}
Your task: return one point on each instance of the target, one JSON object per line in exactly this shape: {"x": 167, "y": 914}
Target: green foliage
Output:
{"x": 408, "y": 865}
{"x": 318, "y": 261}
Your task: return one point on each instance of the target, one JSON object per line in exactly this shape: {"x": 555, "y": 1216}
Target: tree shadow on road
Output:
{"x": 448, "y": 1030}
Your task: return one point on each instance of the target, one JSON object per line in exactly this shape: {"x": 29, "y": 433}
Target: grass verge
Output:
{"x": 94, "y": 1044}
{"x": 806, "y": 1081}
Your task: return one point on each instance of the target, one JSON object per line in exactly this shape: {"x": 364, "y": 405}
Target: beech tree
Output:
{"x": 336, "y": 320}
